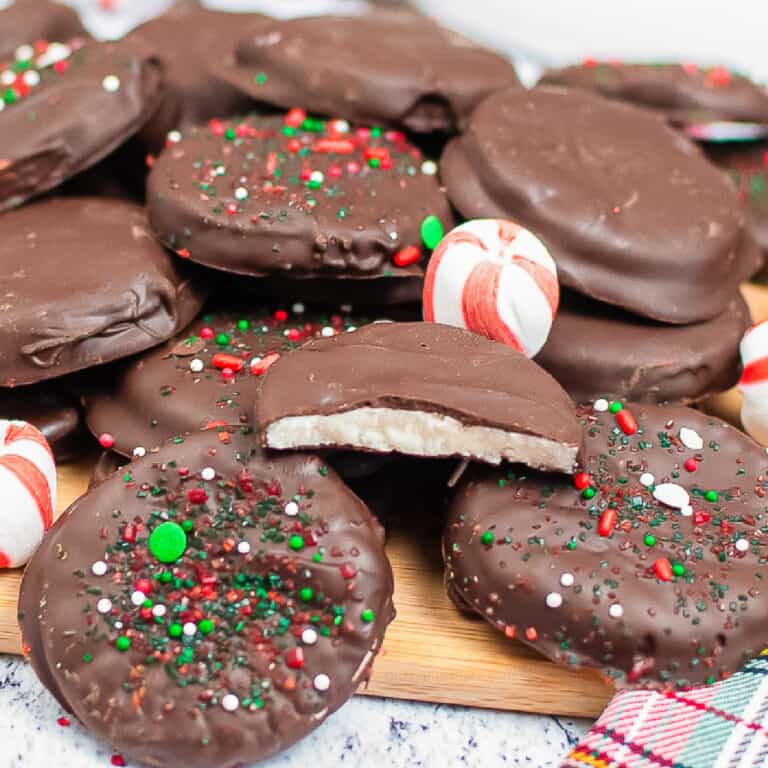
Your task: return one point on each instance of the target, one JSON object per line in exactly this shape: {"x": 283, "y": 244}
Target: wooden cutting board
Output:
{"x": 431, "y": 652}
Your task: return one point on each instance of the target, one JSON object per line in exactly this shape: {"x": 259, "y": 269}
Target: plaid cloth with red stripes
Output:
{"x": 724, "y": 725}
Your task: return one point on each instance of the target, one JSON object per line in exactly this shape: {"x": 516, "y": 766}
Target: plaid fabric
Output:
{"x": 721, "y": 726}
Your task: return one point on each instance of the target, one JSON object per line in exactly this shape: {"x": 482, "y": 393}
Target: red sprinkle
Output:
{"x": 663, "y": 569}
{"x": 582, "y": 480}
{"x": 294, "y": 334}
{"x": 63, "y": 722}
{"x": 206, "y": 333}
{"x": 106, "y": 440}
{"x": 294, "y": 658}
{"x": 348, "y": 571}
{"x": 700, "y": 517}
{"x": 691, "y": 465}
{"x": 280, "y": 315}
{"x": 626, "y": 421}
{"x": 607, "y": 522}
{"x": 118, "y": 760}
{"x": 531, "y": 633}
{"x": 144, "y": 585}
{"x": 197, "y": 495}
{"x": 407, "y": 256}
{"x": 222, "y": 360}
{"x": 257, "y": 369}
{"x": 336, "y": 146}
{"x": 295, "y": 117}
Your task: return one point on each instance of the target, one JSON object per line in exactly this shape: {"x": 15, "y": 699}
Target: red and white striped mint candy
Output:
{"x": 496, "y": 279}
{"x": 27, "y": 491}
{"x": 754, "y": 382}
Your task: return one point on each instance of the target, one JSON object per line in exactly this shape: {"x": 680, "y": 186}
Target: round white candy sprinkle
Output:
{"x": 690, "y": 438}
{"x": 190, "y": 629}
{"x": 615, "y": 611}
{"x": 298, "y": 308}
{"x": 138, "y": 598}
{"x": 566, "y": 580}
{"x": 341, "y": 126}
{"x": 32, "y": 78}
{"x": 600, "y": 405}
{"x": 8, "y": 77}
{"x": 321, "y": 682}
{"x": 99, "y": 568}
{"x": 208, "y": 473}
{"x": 317, "y": 176}
{"x": 174, "y": 137}
{"x": 687, "y": 510}
{"x": 139, "y": 451}
{"x": 291, "y": 509}
{"x": 104, "y": 605}
{"x": 327, "y": 331}
{"x": 118, "y": 625}
{"x": 672, "y": 494}
{"x": 24, "y": 53}
{"x": 111, "y": 83}
{"x": 309, "y": 636}
{"x": 230, "y": 702}
{"x": 159, "y": 610}
{"x": 554, "y": 600}
{"x": 243, "y": 547}
{"x": 241, "y": 193}
{"x": 196, "y": 365}
{"x": 742, "y": 545}
{"x": 429, "y": 167}
{"x": 646, "y": 479}
{"x": 221, "y": 170}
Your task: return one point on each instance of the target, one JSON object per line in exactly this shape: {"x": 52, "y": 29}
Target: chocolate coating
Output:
{"x": 74, "y": 117}
{"x": 157, "y": 395}
{"x": 53, "y": 411}
{"x": 391, "y": 67}
{"x": 419, "y": 367}
{"x": 685, "y": 93}
{"x": 245, "y": 684}
{"x": 630, "y": 210}
{"x": 540, "y": 561}
{"x": 595, "y": 351}
{"x": 82, "y": 283}
{"x": 26, "y": 21}
{"x": 238, "y": 196}
{"x": 184, "y": 40}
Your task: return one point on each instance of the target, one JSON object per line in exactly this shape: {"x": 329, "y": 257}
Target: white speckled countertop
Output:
{"x": 366, "y": 732}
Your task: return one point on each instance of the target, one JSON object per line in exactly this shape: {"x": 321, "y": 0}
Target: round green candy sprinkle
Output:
{"x": 711, "y": 496}
{"x": 572, "y": 544}
{"x": 374, "y": 162}
{"x": 288, "y": 130}
{"x": 175, "y": 630}
{"x": 168, "y": 542}
{"x": 230, "y": 134}
{"x": 123, "y": 643}
{"x": 166, "y": 577}
{"x": 261, "y": 78}
{"x": 487, "y": 538}
{"x": 205, "y": 627}
{"x": 649, "y": 540}
{"x": 188, "y": 526}
{"x": 222, "y": 339}
{"x": 588, "y": 493}
{"x": 243, "y": 325}
{"x": 296, "y": 542}
{"x": 87, "y": 658}
{"x": 306, "y": 594}
{"x": 432, "y": 231}
{"x": 615, "y": 407}
{"x": 678, "y": 569}
{"x": 376, "y": 131}
{"x": 367, "y": 615}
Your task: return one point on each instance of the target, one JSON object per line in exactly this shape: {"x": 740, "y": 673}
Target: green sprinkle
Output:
{"x": 175, "y": 630}
{"x": 205, "y": 627}
{"x": 222, "y": 339}
{"x": 306, "y": 594}
{"x": 168, "y": 542}
{"x": 87, "y": 658}
{"x": 188, "y": 526}
{"x": 678, "y": 569}
{"x": 487, "y": 538}
{"x": 649, "y": 540}
{"x": 261, "y": 78}
{"x": 711, "y": 496}
{"x": 374, "y": 162}
{"x": 432, "y": 231}
{"x": 123, "y": 643}
{"x": 367, "y": 615}
{"x": 296, "y": 542}
{"x": 615, "y": 407}
{"x": 230, "y": 134}
{"x": 243, "y": 325}
{"x": 588, "y": 493}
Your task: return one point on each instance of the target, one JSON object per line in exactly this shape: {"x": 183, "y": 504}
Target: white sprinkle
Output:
{"x": 309, "y": 636}
{"x": 196, "y": 365}
{"x": 32, "y": 78}
{"x": 321, "y": 682}
{"x": 159, "y": 610}
{"x": 138, "y": 598}
{"x": 104, "y": 605}
{"x": 429, "y": 167}
{"x": 190, "y": 629}
{"x": 243, "y": 547}
{"x": 298, "y": 308}
{"x": 671, "y": 494}
{"x": 111, "y": 83}
{"x": 646, "y": 479}
{"x": 600, "y": 405}
{"x": 8, "y": 77}
{"x": 221, "y": 170}
{"x": 615, "y": 611}
{"x": 341, "y": 126}
{"x": 2, "y": 105}
{"x": 118, "y": 625}
{"x": 346, "y": 308}
{"x": 139, "y": 451}
{"x": 687, "y": 510}
{"x": 742, "y": 545}
{"x": 690, "y": 438}
{"x": 174, "y": 137}
{"x": 99, "y": 568}
{"x": 567, "y": 580}
{"x": 230, "y": 702}
{"x": 327, "y": 331}
{"x": 24, "y": 53}
{"x": 554, "y": 600}
{"x": 351, "y": 328}
{"x": 291, "y": 509}
{"x": 53, "y": 53}
{"x": 241, "y": 193}
{"x": 208, "y": 473}
{"x": 317, "y": 176}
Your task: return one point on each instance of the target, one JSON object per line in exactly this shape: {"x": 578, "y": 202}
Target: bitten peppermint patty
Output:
{"x": 649, "y": 564}
{"x": 208, "y": 605}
